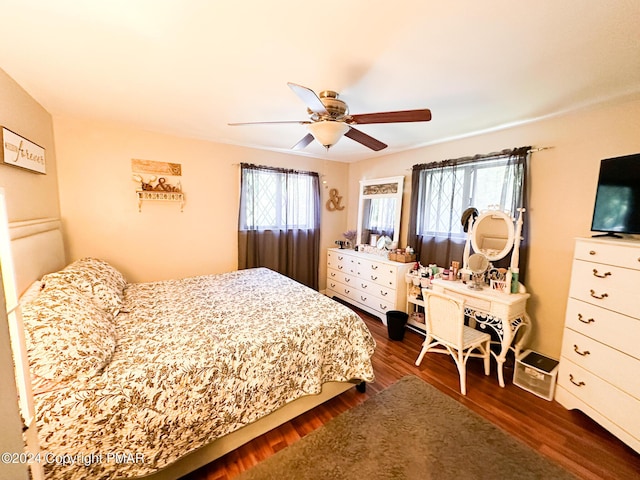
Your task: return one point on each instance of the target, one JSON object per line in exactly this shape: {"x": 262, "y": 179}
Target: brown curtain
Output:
{"x": 443, "y": 187}
{"x": 279, "y": 222}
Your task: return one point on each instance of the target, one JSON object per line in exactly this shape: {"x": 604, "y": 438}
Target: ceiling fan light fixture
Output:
{"x": 328, "y": 132}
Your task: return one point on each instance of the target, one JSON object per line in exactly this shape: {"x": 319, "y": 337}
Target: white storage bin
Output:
{"x": 536, "y": 373}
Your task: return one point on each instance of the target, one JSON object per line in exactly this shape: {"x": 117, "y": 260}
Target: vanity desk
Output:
{"x": 504, "y": 313}
{"x": 493, "y": 235}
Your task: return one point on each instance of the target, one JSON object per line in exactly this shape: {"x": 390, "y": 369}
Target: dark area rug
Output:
{"x": 408, "y": 431}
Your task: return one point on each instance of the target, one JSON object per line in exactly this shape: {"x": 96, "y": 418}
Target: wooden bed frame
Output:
{"x": 38, "y": 248}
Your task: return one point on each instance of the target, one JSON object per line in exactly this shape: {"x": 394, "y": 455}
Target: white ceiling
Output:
{"x": 189, "y": 67}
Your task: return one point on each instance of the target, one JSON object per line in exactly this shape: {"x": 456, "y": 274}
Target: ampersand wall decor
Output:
{"x": 334, "y": 201}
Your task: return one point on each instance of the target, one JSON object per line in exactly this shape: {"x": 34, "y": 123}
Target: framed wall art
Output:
{"x": 20, "y": 152}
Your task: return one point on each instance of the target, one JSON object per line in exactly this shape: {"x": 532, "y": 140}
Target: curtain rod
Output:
{"x": 531, "y": 150}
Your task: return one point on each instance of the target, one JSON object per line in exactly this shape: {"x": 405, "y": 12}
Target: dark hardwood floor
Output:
{"x": 569, "y": 438}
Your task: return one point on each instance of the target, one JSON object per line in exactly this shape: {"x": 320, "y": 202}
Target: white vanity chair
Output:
{"x": 494, "y": 234}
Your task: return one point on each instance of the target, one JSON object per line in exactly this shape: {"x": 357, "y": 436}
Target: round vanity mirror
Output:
{"x": 493, "y": 235}
{"x": 478, "y": 264}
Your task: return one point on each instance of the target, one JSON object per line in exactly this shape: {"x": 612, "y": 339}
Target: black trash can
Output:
{"x": 396, "y": 320}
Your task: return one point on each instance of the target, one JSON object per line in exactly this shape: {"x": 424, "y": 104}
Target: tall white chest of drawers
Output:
{"x": 370, "y": 282}
{"x": 600, "y": 364}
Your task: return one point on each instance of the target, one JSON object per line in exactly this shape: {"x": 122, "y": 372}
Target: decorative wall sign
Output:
{"x": 165, "y": 189}
{"x": 160, "y": 168}
{"x": 334, "y": 201}
{"x": 20, "y": 152}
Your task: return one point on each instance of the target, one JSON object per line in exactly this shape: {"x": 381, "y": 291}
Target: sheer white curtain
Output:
{"x": 379, "y": 216}
{"x": 279, "y": 222}
{"x": 442, "y": 191}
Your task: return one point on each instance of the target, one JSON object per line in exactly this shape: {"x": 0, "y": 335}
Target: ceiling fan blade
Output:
{"x": 310, "y": 99}
{"x": 306, "y": 140}
{"x": 300, "y": 122}
{"x": 364, "y": 139}
{"x": 423, "y": 115}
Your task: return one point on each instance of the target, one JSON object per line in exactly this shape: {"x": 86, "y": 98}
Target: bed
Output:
{"x": 153, "y": 380}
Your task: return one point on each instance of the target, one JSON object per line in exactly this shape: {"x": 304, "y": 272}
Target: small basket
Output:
{"x": 402, "y": 257}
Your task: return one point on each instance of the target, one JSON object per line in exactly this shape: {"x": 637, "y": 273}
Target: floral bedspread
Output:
{"x": 196, "y": 359}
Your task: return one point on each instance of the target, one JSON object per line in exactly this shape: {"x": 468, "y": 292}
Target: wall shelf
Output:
{"x": 159, "y": 196}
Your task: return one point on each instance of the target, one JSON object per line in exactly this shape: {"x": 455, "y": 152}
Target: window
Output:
{"x": 442, "y": 191}
{"x": 448, "y": 191}
{"x": 279, "y": 222}
{"x": 276, "y": 199}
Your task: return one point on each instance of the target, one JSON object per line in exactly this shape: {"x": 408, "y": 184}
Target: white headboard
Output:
{"x": 37, "y": 248}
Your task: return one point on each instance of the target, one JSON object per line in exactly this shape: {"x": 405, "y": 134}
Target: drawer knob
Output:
{"x": 588, "y": 320}
{"x": 347, "y": 291}
{"x": 340, "y": 267}
{"x": 363, "y": 285}
{"x": 340, "y": 258}
{"x": 600, "y": 275}
{"x": 577, "y": 384}
{"x": 384, "y": 294}
{"x": 374, "y": 267}
{"x": 584, "y": 353}
{"x": 383, "y": 307}
{"x": 599, "y": 297}
{"x": 592, "y": 252}
{"x": 373, "y": 278}
{"x": 364, "y": 299}
{"x": 347, "y": 279}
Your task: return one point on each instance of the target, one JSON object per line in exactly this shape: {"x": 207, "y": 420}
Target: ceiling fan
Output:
{"x": 329, "y": 119}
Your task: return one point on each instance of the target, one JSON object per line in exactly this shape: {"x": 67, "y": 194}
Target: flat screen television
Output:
{"x": 617, "y": 206}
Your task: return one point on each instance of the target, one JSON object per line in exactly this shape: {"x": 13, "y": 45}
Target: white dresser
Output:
{"x": 600, "y": 365}
{"x": 370, "y": 282}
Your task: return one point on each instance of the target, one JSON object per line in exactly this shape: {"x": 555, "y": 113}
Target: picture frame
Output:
{"x": 19, "y": 152}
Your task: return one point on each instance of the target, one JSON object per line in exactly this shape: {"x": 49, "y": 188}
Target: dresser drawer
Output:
{"x": 618, "y": 407}
{"x": 342, "y": 277}
{"x": 342, "y": 262}
{"x": 377, "y": 304}
{"x": 361, "y": 299}
{"x": 618, "y": 331}
{"x": 345, "y": 291}
{"x": 609, "y": 287}
{"x": 609, "y": 253}
{"x": 617, "y": 368}
{"x": 376, "y": 289}
{"x": 380, "y": 273}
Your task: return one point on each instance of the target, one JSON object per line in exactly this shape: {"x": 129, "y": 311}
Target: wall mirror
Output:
{"x": 379, "y": 209}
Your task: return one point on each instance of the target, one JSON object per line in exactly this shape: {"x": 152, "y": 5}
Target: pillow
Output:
{"x": 96, "y": 278}
{"x": 32, "y": 291}
{"x": 67, "y": 335}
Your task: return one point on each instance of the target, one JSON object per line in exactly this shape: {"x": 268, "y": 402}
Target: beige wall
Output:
{"x": 29, "y": 195}
{"x": 100, "y": 211}
{"x": 100, "y": 215}
{"x": 562, "y": 191}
